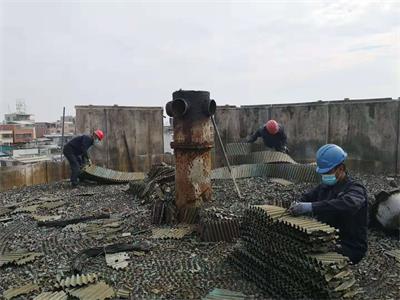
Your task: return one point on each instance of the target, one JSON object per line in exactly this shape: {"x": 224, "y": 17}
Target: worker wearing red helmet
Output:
{"x": 273, "y": 135}
{"x": 76, "y": 151}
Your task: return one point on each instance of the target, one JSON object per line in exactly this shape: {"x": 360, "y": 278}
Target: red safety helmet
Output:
{"x": 272, "y": 127}
{"x": 99, "y": 134}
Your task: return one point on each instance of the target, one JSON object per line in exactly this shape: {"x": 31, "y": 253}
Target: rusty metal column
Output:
{"x": 192, "y": 143}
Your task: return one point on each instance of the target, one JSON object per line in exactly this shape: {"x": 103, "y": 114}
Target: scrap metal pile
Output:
{"x": 249, "y": 160}
{"x": 292, "y": 257}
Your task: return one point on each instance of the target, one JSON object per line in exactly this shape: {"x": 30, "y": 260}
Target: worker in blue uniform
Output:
{"x": 339, "y": 201}
{"x": 76, "y": 152}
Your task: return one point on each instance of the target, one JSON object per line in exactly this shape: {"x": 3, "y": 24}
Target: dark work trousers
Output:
{"x": 75, "y": 163}
{"x": 354, "y": 256}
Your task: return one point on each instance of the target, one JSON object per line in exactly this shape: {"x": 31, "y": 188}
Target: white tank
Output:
{"x": 388, "y": 213}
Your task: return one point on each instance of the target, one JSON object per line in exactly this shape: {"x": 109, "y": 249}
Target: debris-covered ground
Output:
{"x": 173, "y": 269}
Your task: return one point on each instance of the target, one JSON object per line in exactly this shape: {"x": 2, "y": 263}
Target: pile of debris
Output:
{"x": 150, "y": 186}
{"x": 158, "y": 188}
{"x": 292, "y": 257}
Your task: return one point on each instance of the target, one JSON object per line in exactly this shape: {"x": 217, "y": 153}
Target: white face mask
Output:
{"x": 96, "y": 141}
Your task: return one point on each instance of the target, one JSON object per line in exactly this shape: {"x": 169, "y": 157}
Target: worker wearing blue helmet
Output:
{"x": 338, "y": 201}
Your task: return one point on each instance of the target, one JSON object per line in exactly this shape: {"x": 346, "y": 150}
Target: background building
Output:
{"x": 6, "y": 135}
{"x": 46, "y": 128}
{"x": 21, "y": 124}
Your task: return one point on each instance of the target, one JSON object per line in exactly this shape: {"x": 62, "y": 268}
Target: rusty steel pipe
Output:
{"x": 193, "y": 140}
{"x": 180, "y": 107}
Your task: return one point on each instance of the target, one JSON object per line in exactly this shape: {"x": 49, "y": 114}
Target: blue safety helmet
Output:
{"x": 328, "y": 157}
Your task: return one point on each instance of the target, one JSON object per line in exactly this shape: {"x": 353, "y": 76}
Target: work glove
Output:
{"x": 86, "y": 162}
{"x": 300, "y": 208}
{"x": 285, "y": 150}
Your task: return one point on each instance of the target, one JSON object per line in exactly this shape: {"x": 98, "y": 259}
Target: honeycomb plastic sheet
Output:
{"x": 223, "y": 294}
{"x": 123, "y": 293}
{"x": 42, "y": 218}
{"x": 118, "y": 260}
{"x": 395, "y": 254}
{"x": 261, "y": 157}
{"x": 220, "y": 230}
{"x": 172, "y": 233}
{"x": 189, "y": 215}
{"x": 292, "y": 257}
{"x": 26, "y": 209}
{"x": 18, "y": 258}
{"x": 5, "y": 211}
{"x": 292, "y": 172}
{"x": 158, "y": 174}
{"x": 21, "y": 290}
{"x": 61, "y": 295}
{"x": 243, "y": 148}
{"x": 98, "y": 291}
{"x": 103, "y": 175}
{"x": 77, "y": 280}
{"x": 253, "y": 160}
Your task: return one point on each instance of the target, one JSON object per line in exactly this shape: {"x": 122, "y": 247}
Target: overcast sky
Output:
{"x": 56, "y": 53}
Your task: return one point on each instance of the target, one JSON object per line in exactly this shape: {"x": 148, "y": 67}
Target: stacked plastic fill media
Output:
{"x": 218, "y": 225}
{"x": 292, "y": 257}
